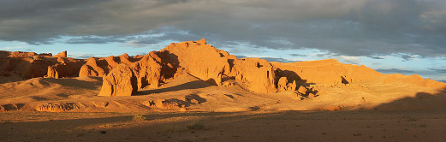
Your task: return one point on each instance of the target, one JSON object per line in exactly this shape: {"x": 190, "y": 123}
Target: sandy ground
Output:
{"x": 232, "y": 126}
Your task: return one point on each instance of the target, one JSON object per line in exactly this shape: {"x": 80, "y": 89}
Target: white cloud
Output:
{"x": 9, "y": 48}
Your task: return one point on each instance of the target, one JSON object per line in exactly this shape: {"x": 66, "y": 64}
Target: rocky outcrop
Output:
{"x": 283, "y": 85}
{"x": 200, "y": 60}
{"x": 62, "y": 54}
{"x": 65, "y": 67}
{"x": 254, "y": 74}
{"x": 21, "y": 54}
{"x": 101, "y": 66}
{"x": 328, "y": 71}
{"x": 148, "y": 70}
{"x": 121, "y": 81}
{"x": 414, "y": 79}
{"x": 93, "y": 67}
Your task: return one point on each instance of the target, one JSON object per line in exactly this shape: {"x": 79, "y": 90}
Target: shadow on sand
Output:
{"x": 189, "y": 85}
{"x": 421, "y": 102}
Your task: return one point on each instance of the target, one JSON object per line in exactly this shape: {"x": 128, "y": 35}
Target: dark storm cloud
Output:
{"x": 394, "y": 70}
{"x": 298, "y": 55}
{"x": 439, "y": 70}
{"x": 269, "y": 59}
{"x": 346, "y": 27}
{"x": 376, "y": 57}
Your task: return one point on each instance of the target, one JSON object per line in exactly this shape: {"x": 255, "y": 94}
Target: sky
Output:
{"x": 390, "y": 36}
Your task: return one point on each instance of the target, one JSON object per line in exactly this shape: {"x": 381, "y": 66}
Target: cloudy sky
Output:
{"x": 391, "y": 36}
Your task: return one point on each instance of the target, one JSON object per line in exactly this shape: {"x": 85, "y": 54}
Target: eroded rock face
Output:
{"x": 121, "y": 81}
{"x": 65, "y": 67}
{"x": 92, "y": 68}
{"x": 101, "y": 66}
{"x": 62, "y": 54}
{"x": 52, "y": 72}
{"x": 284, "y": 85}
{"x": 256, "y": 75}
{"x": 200, "y": 60}
{"x": 328, "y": 71}
{"x": 148, "y": 70}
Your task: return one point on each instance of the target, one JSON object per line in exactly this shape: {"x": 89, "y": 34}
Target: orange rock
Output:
{"x": 148, "y": 70}
{"x": 64, "y": 68}
{"x": 200, "y": 59}
{"x": 62, "y": 54}
{"x": 91, "y": 68}
{"x": 302, "y": 90}
{"x": 21, "y": 54}
{"x": 52, "y": 72}
{"x": 255, "y": 74}
{"x": 282, "y": 84}
{"x": 328, "y": 71}
{"x": 292, "y": 86}
{"x": 121, "y": 81}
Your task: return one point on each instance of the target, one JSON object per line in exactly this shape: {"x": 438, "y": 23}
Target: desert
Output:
{"x": 192, "y": 91}
{"x": 222, "y": 70}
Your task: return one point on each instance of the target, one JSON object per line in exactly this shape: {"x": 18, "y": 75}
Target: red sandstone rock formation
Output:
{"x": 254, "y": 74}
{"x": 148, "y": 70}
{"x": 62, "y": 54}
{"x": 121, "y": 81}
{"x": 328, "y": 71}
{"x": 65, "y": 67}
{"x": 283, "y": 85}
{"x": 200, "y": 60}
{"x": 93, "y": 67}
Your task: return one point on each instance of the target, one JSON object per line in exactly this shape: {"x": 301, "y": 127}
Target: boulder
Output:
{"x": 282, "y": 84}
{"x": 302, "y": 90}
{"x": 292, "y": 86}
{"x": 121, "y": 81}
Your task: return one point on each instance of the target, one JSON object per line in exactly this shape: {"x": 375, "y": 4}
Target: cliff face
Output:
{"x": 201, "y": 60}
{"x": 25, "y": 65}
{"x": 328, "y": 71}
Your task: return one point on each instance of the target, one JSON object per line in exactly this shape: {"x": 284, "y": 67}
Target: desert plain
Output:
{"x": 192, "y": 91}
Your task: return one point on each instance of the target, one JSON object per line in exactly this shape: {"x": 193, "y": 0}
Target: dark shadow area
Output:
{"x": 189, "y": 85}
{"x": 38, "y": 98}
{"x": 258, "y": 65}
{"x": 254, "y": 108}
{"x": 69, "y": 82}
{"x": 421, "y": 102}
{"x": 63, "y": 95}
{"x": 11, "y": 107}
{"x": 225, "y": 78}
{"x": 344, "y": 81}
{"x": 189, "y": 100}
{"x": 171, "y": 64}
{"x": 290, "y": 75}
{"x": 211, "y": 81}
{"x": 228, "y": 126}
{"x": 230, "y": 96}
{"x": 231, "y": 63}
{"x": 195, "y": 98}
